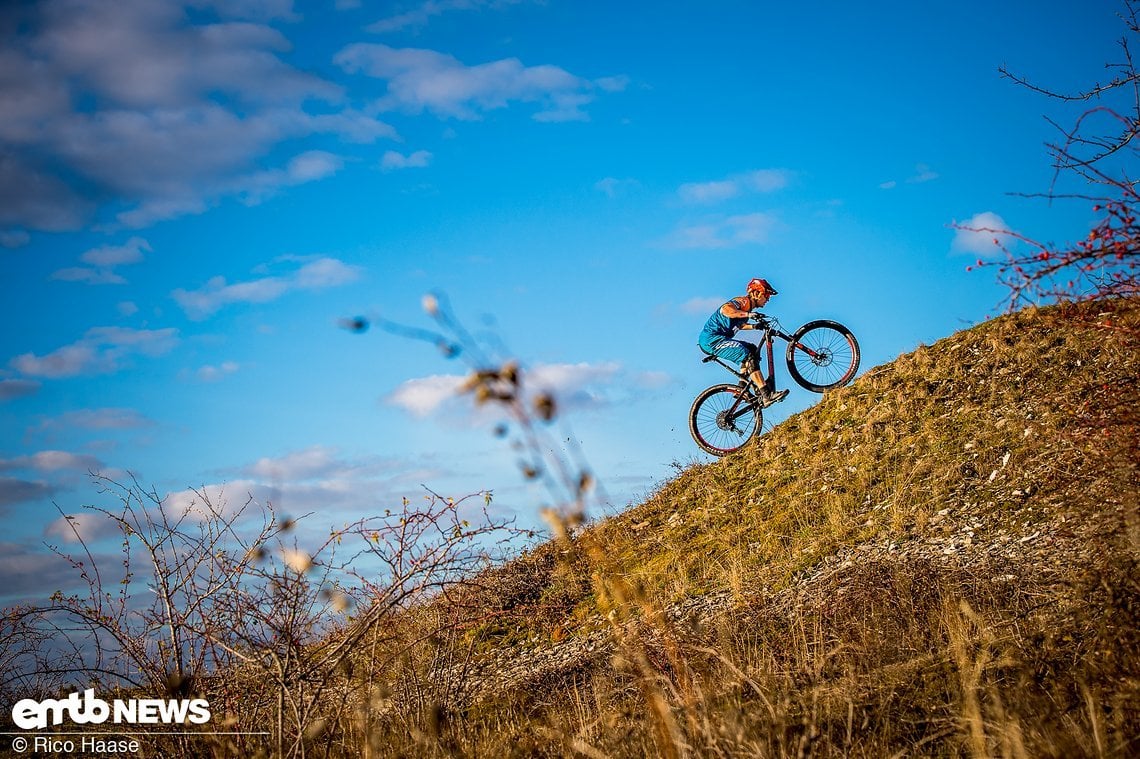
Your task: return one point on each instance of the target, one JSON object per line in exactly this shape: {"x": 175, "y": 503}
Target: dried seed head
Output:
{"x": 339, "y": 603}
{"x": 557, "y": 523}
{"x": 298, "y": 561}
{"x": 544, "y": 407}
{"x": 585, "y": 482}
{"x": 510, "y": 372}
{"x": 357, "y": 324}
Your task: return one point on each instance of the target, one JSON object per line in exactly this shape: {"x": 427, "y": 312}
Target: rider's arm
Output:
{"x": 732, "y": 310}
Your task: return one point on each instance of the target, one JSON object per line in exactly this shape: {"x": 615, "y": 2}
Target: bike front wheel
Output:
{"x": 723, "y": 418}
{"x": 823, "y": 355}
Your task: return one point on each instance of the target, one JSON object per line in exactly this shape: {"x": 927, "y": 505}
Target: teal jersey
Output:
{"x": 719, "y": 328}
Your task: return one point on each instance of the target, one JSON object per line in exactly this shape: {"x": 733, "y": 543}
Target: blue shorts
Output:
{"x": 731, "y": 350}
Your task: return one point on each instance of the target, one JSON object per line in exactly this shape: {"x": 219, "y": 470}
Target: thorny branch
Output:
{"x": 1099, "y": 152}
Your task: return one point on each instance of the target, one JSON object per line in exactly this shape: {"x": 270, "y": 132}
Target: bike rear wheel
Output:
{"x": 723, "y": 418}
{"x": 823, "y": 355}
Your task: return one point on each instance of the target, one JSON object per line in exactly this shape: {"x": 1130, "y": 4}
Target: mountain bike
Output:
{"x": 821, "y": 355}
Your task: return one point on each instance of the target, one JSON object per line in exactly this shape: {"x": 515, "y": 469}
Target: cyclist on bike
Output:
{"x": 717, "y": 337}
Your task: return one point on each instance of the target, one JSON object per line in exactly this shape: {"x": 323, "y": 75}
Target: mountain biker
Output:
{"x": 717, "y": 337}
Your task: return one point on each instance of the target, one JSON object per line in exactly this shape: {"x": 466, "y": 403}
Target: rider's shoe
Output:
{"x": 768, "y": 397}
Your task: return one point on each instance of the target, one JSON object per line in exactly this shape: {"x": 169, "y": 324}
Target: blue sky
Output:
{"x": 193, "y": 193}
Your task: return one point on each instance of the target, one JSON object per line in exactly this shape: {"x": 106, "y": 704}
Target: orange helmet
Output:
{"x": 761, "y": 285}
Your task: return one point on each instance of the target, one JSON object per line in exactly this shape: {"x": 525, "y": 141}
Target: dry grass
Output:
{"x": 938, "y": 560}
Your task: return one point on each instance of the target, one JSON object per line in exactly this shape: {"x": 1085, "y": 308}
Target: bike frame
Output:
{"x": 766, "y": 345}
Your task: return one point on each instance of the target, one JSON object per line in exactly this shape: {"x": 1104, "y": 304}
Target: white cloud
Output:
{"x": 318, "y": 478}
{"x": 52, "y": 461}
{"x": 102, "y": 350}
{"x": 981, "y": 234}
{"x": 422, "y": 14}
{"x": 86, "y": 525}
{"x": 33, "y": 571}
{"x": 30, "y": 197}
{"x": 922, "y": 173}
{"x": 325, "y": 272}
{"x": 110, "y": 256}
{"x": 14, "y": 238}
{"x": 89, "y": 276}
{"x": 301, "y": 169}
{"x": 396, "y": 160}
{"x": 612, "y": 83}
{"x": 708, "y": 192}
{"x": 760, "y": 180}
{"x": 570, "y": 378}
{"x": 614, "y": 187}
{"x": 425, "y": 395}
{"x": 728, "y": 232}
{"x": 98, "y": 419}
{"x": 15, "y": 491}
{"x": 702, "y": 305}
{"x": 318, "y": 463}
{"x": 103, "y": 44}
{"x": 176, "y": 112}
{"x": 654, "y": 379}
{"x": 426, "y": 80}
{"x": 253, "y": 10}
{"x": 211, "y": 373}
{"x": 224, "y": 499}
{"x": 217, "y": 293}
{"x": 103, "y": 261}
{"x": 10, "y": 389}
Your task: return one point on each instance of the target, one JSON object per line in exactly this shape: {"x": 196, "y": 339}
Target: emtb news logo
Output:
{"x": 30, "y": 714}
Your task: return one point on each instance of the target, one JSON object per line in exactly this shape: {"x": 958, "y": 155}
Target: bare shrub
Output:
{"x": 242, "y": 607}
{"x": 1094, "y": 161}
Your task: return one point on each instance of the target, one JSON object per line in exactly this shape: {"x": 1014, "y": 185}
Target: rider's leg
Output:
{"x": 746, "y": 355}
{"x": 768, "y": 392}
{"x": 749, "y": 365}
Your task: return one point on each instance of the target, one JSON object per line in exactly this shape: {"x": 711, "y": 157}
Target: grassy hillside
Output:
{"x": 939, "y": 559}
